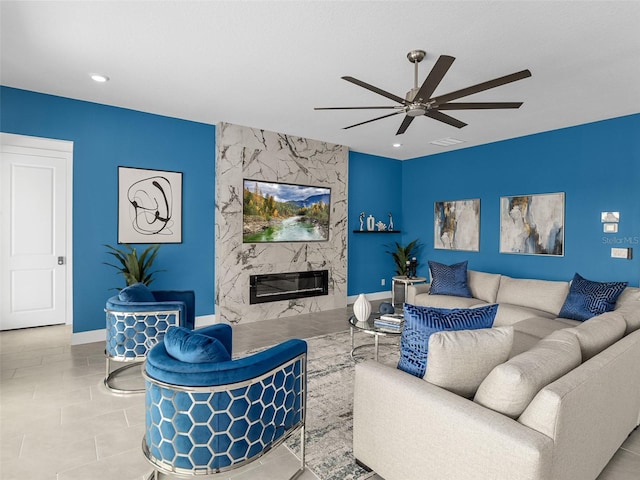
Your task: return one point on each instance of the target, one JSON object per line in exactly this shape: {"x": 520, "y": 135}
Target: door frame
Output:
{"x": 27, "y": 142}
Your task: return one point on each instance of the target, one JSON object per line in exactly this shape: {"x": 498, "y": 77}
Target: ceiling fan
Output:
{"x": 419, "y": 101}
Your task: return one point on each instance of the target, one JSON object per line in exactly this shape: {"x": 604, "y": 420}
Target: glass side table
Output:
{"x": 369, "y": 328}
{"x": 406, "y": 281}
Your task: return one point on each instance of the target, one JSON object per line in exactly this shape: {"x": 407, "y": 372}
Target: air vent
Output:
{"x": 447, "y": 142}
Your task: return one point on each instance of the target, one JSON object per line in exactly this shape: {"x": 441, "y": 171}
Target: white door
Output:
{"x": 35, "y": 239}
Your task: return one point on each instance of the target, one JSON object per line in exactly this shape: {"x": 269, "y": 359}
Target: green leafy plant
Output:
{"x": 402, "y": 254}
{"x": 134, "y": 268}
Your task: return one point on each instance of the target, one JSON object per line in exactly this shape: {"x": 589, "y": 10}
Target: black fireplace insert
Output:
{"x": 273, "y": 287}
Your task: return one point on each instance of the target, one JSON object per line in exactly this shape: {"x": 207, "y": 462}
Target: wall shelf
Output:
{"x": 376, "y": 231}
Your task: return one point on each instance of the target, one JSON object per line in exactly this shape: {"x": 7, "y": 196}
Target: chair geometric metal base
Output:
{"x": 205, "y": 431}
{"x": 130, "y": 335}
{"x": 112, "y": 374}
{"x": 165, "y": 475}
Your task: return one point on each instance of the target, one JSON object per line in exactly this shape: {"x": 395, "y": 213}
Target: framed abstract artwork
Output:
{"x": 456, "y": 225}
{"x": 532, "y": 224}
{"x": 149, "y": 206}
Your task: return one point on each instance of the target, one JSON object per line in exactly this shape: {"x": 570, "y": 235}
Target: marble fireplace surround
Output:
{"x": 249, "y": 153}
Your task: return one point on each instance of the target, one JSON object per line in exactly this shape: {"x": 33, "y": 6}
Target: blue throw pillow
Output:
{"x": 138, "y": 292}
{"x": 191, "y": 347}
{"x": 587, "y": 299}
{"x": 421, "y": 322}
{"x": 449, "y": 279}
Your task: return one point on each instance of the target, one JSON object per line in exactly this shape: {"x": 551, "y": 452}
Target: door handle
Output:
{"x": 60, "y": 260}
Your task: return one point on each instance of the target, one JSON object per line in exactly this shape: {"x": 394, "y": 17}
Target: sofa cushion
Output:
{"x": 421, "y": 322}
{"x": 511, "y": 386}
{"x": 545, "y": 295}
{"x": 191, "y": 347}
{"x": 587, "y": 298}
{"x": 446, "y": 301}
{"x": 449, "y": 279}
{"x": 460, "y": 360}
{"x": 509, "y": 314}
{"x": 598, "y": 333}
{"x": 630, "y": 311}
{"x": 541, "y": 327}
{"x": 483, "y": 285}
{"x": 138, "y": 292}
{"x": 629, "y": 294}
{"x": 522, "y": 342}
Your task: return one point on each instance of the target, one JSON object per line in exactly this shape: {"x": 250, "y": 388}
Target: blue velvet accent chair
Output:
{"x": 137, "y": 319}
{"x": 209, "y": 417}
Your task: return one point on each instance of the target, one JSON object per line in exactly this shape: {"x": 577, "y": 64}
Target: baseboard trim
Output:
{"x": 91, "y": 336}
{"x": 100, "y": 335}
{"x": 386, "y": 295}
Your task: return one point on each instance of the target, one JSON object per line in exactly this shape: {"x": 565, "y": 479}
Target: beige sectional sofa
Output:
{"x": 558, "y": 407}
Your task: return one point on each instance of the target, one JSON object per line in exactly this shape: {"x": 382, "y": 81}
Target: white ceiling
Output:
{"x": 266, "y": 64}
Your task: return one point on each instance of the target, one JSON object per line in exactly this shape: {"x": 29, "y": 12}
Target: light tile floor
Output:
{"x": 58, "y": 422}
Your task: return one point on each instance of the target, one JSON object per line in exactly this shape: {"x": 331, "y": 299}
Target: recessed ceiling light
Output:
{"x": 446, "y": 142}
{"x": 96, "y": 77}
{"x": 397, "y": 145}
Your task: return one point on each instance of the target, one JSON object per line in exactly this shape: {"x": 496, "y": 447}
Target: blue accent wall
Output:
{"x": 105, "y": 137}
{"x": 597, "y": 165}
{"x": 375, "y": 187}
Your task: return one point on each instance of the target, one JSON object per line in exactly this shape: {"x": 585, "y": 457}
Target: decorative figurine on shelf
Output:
{"x": 390, "y": 221}
{"x": 370, "y": 223}
{"x": 381, "y": 226}
{"x": 361, "y": 221}
{"x": 408, "y": 268}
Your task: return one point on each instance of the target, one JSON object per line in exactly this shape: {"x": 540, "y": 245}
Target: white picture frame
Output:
{"x": 149, "y": 206}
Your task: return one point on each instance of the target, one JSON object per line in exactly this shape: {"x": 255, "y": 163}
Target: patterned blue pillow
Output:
{"x": 449, "y": 279}
{"x": 421, "y": 322}
{"x": 587, "y": 299}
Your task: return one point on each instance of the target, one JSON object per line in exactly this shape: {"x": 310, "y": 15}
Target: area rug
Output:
{"x": 330, "y": 380}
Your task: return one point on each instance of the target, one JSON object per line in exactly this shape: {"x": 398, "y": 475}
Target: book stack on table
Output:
{"x": 391, "y": 322}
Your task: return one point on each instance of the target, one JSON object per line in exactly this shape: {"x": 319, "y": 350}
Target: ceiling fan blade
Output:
{"x": 443, "y": 117}
{"x": 372, "y": 120}
{"x": 405, "y": 124}
{"x": 377, "y": 90}
{"x": 434, "y": 78}
{"x": 354, "y": 108}
{"x": 477, "y": 105}
{"x": 480, "y": 87}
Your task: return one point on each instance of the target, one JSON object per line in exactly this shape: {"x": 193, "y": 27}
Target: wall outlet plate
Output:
{"x": 621, "y": 253}
{"x": 610, "y": 227}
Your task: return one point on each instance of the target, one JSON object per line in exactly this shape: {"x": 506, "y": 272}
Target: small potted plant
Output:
{"x": 134, "y": 268}
{"x": 402, "y": 256}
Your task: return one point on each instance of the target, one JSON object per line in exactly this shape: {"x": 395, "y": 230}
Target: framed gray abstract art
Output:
{"x": 456, "y": 225}
{"x": 532, "y": 224}
{"x": 149, "y": 206}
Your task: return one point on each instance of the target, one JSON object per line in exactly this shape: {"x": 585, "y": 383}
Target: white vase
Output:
{"x": 370, "y": 223}
{"x": 362, "y": 308}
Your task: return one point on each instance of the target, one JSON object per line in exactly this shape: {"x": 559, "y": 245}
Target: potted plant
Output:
{"x": 402, "y": 255}
{"x": 134, "y": 268}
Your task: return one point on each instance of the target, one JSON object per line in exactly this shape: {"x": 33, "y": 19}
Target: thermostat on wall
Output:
{"x": 622, "y": 253}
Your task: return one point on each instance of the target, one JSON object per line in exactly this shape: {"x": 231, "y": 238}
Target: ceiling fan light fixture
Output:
{"x": 416, "y": 110}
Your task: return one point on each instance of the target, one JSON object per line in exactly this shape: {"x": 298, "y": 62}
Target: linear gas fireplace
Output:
{"x": 285, "y": 286}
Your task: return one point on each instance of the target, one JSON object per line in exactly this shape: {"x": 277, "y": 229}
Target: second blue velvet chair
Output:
{"x": 208, "y": 414}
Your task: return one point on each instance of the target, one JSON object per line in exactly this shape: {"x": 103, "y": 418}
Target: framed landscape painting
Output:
{"x": 532, "y": 224}
{"x": 149, "y": 206}
{"x": 456, "y": 225}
